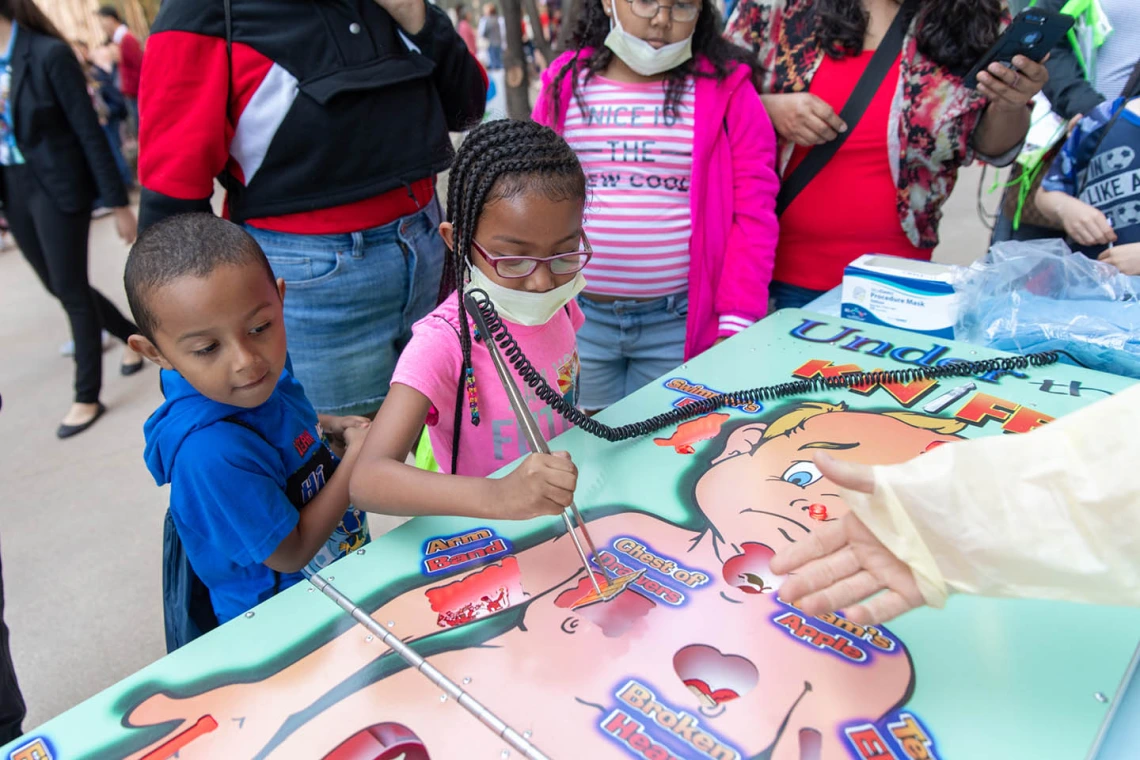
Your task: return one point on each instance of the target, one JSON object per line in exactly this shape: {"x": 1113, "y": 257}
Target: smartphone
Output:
{"x": 1032, "y": 34}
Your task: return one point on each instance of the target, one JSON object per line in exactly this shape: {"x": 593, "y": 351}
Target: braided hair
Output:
{"x": 499, "y": 159}
{"x": 708, "y": 43}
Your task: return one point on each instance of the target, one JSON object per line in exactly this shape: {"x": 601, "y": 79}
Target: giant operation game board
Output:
{"x": 696, "y": 657}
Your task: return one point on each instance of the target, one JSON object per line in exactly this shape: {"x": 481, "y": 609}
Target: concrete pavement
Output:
{"x": 81, "y": 520}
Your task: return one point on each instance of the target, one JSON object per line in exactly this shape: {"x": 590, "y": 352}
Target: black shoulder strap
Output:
{"x": 1132, "y": 89}
{"x": 1103, "y": 135}
{"x": 229, "y": 30}
{"x": 853, "y": 110}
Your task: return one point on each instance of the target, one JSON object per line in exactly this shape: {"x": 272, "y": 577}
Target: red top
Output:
{"x": 130, "y": 65}
{"x": 352, "y": 217}
{"x": 851, "y": 207}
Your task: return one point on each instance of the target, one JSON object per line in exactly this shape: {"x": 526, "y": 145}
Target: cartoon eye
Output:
{"x": 802, "y": 474}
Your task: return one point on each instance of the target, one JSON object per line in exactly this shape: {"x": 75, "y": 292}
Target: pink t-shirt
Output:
{"x": 638, "y": 161}
{"x": 430, "y": 364}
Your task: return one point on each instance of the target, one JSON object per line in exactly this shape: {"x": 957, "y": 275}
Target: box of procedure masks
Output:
{"x": 904, "y": 293}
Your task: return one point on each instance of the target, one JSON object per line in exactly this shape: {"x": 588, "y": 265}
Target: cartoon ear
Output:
{"x": 742, "y": 441}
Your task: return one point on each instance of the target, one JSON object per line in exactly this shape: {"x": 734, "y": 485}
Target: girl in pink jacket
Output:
{"x": 680, "y": 159}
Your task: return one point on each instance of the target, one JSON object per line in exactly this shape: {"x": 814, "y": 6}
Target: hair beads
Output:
{"x": 472, "y": 395}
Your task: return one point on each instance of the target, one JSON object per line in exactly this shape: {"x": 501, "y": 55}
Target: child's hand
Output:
{"x": 1085, "y": 224}
{"x": 1126, "y": 258}
{"x": 336, "y": 428}
{"x": 354, "y": 436}
{"x": 542, "y": 485}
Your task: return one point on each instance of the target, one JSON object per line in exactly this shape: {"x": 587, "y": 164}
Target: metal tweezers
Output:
{"x": 537, "y": 443}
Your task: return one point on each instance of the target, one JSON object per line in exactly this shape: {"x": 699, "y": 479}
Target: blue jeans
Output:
{"x": 625, "y": 345}
{"x": 350, "y": 302}
{"x": 494, "y": 57}
{"x": 781, "y": 295}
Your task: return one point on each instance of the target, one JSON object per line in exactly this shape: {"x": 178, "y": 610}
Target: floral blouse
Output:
{"x": 934, "y": 112}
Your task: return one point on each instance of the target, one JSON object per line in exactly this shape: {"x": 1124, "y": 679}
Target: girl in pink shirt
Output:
{"x": 680, "y": 160}
{"x": 514, "y": 230}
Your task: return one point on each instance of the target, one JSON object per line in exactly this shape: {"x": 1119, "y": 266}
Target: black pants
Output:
{"x": 12, "y": 709}
{"x": 55, "y": 244}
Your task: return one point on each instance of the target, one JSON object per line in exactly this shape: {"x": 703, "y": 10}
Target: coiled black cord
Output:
{"x": 491, "y": 327}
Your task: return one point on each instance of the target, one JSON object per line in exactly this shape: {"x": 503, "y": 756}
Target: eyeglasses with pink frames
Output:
{"x": 518, "y": 267}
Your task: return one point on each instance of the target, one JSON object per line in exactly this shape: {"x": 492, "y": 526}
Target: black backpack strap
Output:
{"x": 227, "y": 5}
{"x": 1132, "y": 89}
{"x": 853, "y": 110}
{"x": 1103, "y": 136}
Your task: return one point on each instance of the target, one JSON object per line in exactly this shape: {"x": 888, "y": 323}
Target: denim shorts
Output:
{"x": 350, "y": 302}
{"x": 625, "y": 345}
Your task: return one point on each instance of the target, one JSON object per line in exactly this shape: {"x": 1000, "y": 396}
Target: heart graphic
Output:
{"x": 714, "y": 677}
{"x": 383, "y": 741}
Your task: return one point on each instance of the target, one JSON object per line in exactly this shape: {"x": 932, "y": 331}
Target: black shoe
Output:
{"x": 66, "y": 431}
{"x": 126, "y": 370}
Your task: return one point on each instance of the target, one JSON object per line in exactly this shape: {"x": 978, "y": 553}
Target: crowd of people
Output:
{"x": 682, "y": 175}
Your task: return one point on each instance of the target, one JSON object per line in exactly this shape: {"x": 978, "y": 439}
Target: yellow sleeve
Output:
{"x": 1054, "y": 514}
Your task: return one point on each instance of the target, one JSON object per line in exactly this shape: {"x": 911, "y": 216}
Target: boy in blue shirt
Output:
{"x": 1093, "y": 187}
{"x": 255, "y": 494}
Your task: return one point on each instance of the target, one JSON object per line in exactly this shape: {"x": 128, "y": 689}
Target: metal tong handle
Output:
{"x": 530, "y": 428}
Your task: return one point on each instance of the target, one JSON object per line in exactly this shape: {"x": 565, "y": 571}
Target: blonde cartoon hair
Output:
{"x": 798, "y": 417}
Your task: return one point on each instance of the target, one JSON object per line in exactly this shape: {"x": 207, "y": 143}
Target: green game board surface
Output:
{"x": 1008, "y": 679}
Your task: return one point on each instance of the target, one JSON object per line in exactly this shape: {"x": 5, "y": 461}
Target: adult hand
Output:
{"x": 1086, "y": 224}
{"x": 411, "y": 15}
{"x": 126, "y": 225}
{"x": 841, "y": 565}
{"x": 1126, "y": 258}
{"x": 803, "y": 118}
{"x": 1011, "y": 88}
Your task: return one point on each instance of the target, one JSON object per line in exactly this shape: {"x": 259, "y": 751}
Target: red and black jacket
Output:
{"x": 316, "y": 105}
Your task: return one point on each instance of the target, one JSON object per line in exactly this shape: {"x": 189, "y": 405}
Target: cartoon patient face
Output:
{"x": 764, "y": 486}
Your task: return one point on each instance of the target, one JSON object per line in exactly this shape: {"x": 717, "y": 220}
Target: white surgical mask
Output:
{"x": 521, "y": 307}
{"x": 642, "y": 57}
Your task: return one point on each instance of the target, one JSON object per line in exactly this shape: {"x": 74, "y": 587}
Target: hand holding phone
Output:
{"x": 1031, "y": 36}
{"x": 1011, "y": 87}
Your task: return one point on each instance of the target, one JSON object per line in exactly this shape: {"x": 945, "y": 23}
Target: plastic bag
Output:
{"x": 1025, "y": 297}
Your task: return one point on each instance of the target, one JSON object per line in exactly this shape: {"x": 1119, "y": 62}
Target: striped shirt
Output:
{"x": 638, "y": 161}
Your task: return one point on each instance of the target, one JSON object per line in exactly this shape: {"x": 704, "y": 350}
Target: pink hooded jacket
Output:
{"x": 732, "y": 198}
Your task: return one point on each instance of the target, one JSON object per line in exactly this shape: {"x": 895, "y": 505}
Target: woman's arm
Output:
{"x": 1005, "y": 122}
{"x": 382, "y": 481}
{"x": 70, "y": 88}
{"x": 803, "y": 118}
{"x": 1069, "y": 92}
